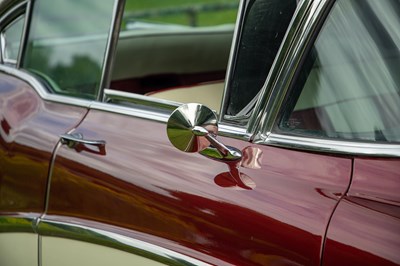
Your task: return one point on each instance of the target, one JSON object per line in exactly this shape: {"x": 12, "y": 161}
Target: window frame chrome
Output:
{"x": 268, "y": 110}
{"x": 7, "y": 20}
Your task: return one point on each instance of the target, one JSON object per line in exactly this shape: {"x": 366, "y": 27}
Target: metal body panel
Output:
{"x": 29, "y": 131}
{"x": 25, "y": 254}
{"x": 143, "y": 184}
{"x": 365, "y": 228}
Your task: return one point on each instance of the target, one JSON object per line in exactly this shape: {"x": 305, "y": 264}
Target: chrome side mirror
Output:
{"x": 193, "y": 127}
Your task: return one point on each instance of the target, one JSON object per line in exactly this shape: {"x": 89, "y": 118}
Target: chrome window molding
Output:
{"x": 113, "y": 36}
{"x": 41, "y": 89}
{"x": 131, "y": 111}
{"x": 332, "y": 146}
{"x": 132, "y": 99}
{"x": 268, "y": 112}
{"x": 6, "y": 18}
{"x": 232, "y": 55}
{"x": 273, "y": 92}
{"x": 153, "y": 112}
{"x": 22, "y": 223}
{"x": 252, "y": 121}
{"x": 48, "y": 227}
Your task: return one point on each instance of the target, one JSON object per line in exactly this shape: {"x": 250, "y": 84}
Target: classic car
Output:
{"x": 272, "y": 142}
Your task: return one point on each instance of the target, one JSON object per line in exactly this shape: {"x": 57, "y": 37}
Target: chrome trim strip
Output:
{"x": 232, "y": 56}
{"x": 17, "y": 8}
{"x": 264, "y": 111}
{"x": 18, "y": 223}
{"x": 51, "y": 228}
{"x": 235, "y": 132}
{"x": 332, "y": 146}
{"x": 41, "y": 89}
{"x": 111, "y": 47}
{"x": 114, "y": 96}
{"x": 157, "y": 109}
{"x": 131, "y": 111}
{"x": 24, "y": 39}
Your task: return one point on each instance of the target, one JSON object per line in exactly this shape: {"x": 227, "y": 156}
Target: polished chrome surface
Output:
{"x": 111, "y": 46}
{"x": 73, "y": 139}
{"x": 272, "y": 93}
{"x": 193, "y": 128}
{"x": 131, "y": 99}
{"x": 18, "y": 223}
{"x": 189, "y": 126}
{"x": 18, "y": 9}
{"x": 232, "y": 56}
{"x": 41, "y": 89}
{"x": 48, "y": 227}
{"x": 333, "y": 146}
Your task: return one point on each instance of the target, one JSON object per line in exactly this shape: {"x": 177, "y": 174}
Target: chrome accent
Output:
{"x": 132, "y": 99}
{"x": 111, "y": 47}
{"x": 232, "y": 57}
{"x": 71, "y": 140}
{"x": 283, "y": 66}
{"x": 234, "y": 132}
{"x": 18, "y": 223}
{"x": 193, "y": 128}
{"x": 19, "y": 8}
{"x": 24, "y": 39}
{"x": 51, "y": 228}
{"x": 41, "y": 90}
{"x": 332, "y": 146}
{"x": 131, "y": 111}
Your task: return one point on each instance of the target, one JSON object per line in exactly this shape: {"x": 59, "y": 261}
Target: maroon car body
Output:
{"x": 292, "y": 198}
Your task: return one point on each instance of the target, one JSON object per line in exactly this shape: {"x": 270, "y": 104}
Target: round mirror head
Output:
{"x": 189, "y": 125}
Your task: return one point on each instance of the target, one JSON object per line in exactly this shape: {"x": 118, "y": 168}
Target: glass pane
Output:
{"x": 265, "y": 25}
{"x": 175, "y": 50}
{"x": 349, "y": 87}
{"x": 12, "y": 37}
{"x": 67, "y": 44}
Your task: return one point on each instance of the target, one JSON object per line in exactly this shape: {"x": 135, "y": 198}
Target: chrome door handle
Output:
{"x": 71, "y": 140}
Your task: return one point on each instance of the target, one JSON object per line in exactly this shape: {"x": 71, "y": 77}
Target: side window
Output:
{"x": 265, "y": 25}
{"x": 67, "y": 44}
{"x": 11, "y": 40}
{"x": 349, "y": 85}
{"x": 175, "y": 50}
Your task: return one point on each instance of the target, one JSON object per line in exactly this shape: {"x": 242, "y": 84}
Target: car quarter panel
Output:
{"x": 188, "y": 203}
{"x": 29, "y": 131}
{"x": 365, "y": 229}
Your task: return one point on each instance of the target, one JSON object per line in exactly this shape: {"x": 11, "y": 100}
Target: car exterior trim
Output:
{"x": 274, "y": 105}
{"x": 24, "y": 5}
{"x": 332, "y": 146}
{"x": 111, "y": 45}
{"x": 152, "y": 113}
{"x": 18, "y": 223}
{"x": 232, "y": 57}
{"x": 272, "y": 94}
{"x": 48, "y": 227}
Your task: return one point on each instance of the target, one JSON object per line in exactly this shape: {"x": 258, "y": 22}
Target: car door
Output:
{"x": 345, "y": 99}
{"x": 32, "y": 117}
{"x": 119, "y": 183}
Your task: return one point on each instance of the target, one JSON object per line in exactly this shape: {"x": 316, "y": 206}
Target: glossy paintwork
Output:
{"x": 365, "y": 229}
{"x": 29, "y": 131}
{"x": 143, "y": 184}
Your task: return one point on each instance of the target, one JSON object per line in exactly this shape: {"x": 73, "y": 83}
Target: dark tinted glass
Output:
{"x": 263, "y": 30}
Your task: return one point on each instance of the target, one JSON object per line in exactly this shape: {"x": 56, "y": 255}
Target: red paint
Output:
{"x": 365, "y": 228}
{"x": 30, "y": 129}
{"x": 144, "y": 185}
